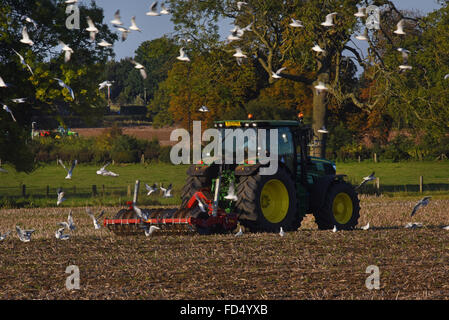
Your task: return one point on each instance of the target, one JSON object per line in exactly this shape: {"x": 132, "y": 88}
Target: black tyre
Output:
{"x": 193, "y": 184}
{"x": 341, "y": 208}
{"x": 267, "y": 203}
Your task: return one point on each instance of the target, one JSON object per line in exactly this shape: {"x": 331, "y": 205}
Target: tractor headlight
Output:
{"x": 254, "y": 124}
{"x": 246, "y": 124}
{"x": 334, "y": 166}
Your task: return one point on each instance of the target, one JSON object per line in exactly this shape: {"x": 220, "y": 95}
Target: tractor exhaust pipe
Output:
{"x": 136, "y": 192}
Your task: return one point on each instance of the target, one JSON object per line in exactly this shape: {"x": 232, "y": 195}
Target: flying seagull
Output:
{"x": 60, "y": 197}
{"x": 29, "y": 20}
{"x": 240, "y": 4}
{"x": 329, "y": 20}
{"x": 6, "y": 108}
{"x": 93, "y": 30}
{"x": 421, "y": 203}
{"x": 366, "y": 179}
{"x": 63, "y": 85}
{"x": 277, "y": 74}
{"x": 124, "y": 32}
{"x": 4, "y": 235}
{"x": 164, "y": 9}
{"x": 153, "y": 10}
{"x": 361, "y": 12}
{"x": 141, "y": 68}
{"x": 317, "y": 48}
{"x": 69, "y": 172}
{"x": 117, "y": 19}
{"x": 60, "y": 234}
{"x": 201, "y": 205}
{"x": 323, "y": 130}
{"x": 296, "y": 23}
{"x": 134, "y": 26}
{"x": 95, "y": 219}
{"x": 22, "y": 60}
{"x": 141, "y": 214}
{"x": 240, "y": 233}
{"x": 167, "y": 191}
{"x": 363, "y": 37}
{"x": 69, "y": 224}
{"x": 149, "y": 230}
{"x": 106, "y": 173}
{"x": 105, "y": 44}
{"x": 321, "y": 87}
{"x": 26, "y": 38}
{"x": 2, "y": 83}
{"x": 24, "y": 235}
{"x": 67, "y": 51}
{"x": 71, "y": 1}
{"x": 151, "y": 189}
{"x": 182, "y": 55}
{"x": 400, "y": 27}
{"x": 103, "y": 85}
{"x": 203, "y": 109}
{"x": 239, "y": 54}
{"x": 19, "y": 100}
{"x": 231, "y": 192}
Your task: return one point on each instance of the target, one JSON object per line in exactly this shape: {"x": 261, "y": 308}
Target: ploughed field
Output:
{"x": 307, "y": 264}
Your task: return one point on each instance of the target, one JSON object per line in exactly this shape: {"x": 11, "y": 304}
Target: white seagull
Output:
{"x": 26, "y": 38}
{"x": 335, "y": 229}
{"x": 239, "y": 54}
{"x": 277, "y": 74}
{"x": 203, "y": 109}
{"x": 240, "y": 233}
{"x": 93, "y": 30}
{"x": 151, "y": 189}
{"x": 117, "y": 19}
{"x": 329, "y": 20}
{"x": 124, "y": 32}
{"x": 182, "y": 56}
{"x": 6, "y": 108}
{"x": 134, "y": 26}
{"x": 167, "y": 191}
{"x": 69, "y": 172}
{"x": 19, "y": 100}
{"x": 317, "y": 48}
{"x": 164, "y": 9}
{"x": 63, "y": 85}
{"x": 67, "y": 51}
{"x": 281, "y": 232}
{"x": 321, "y": 87}
{"x": 105, "y": 44}
{"x": 2, "y": 83}
{"x": 362, "y": 37}
{"x": 29, "y": 20}
{"x": 4, "y": 235}
{"x": 97, "y": 225}
{"x": 366, "y": 179}
{"x": 141, "y": 68}
{"x": 60, "y": 234}
{"x": 153, "y": 10}
{"x": 296, "y": 23}
{"x": 421, "y": 203}
{"x": 69, "y": 224}
{"x": 149, "y": 230}
{"x": 446, "y": 77}
{"x": 231, "y": 192}
{"x": 240, "y": 4}
{"x": 361, "y": 12}
{"x": 24, "y": 235}
{"x": 400, "y": 27}
{"x": 366, "y": 227}
{"x": 323, "y": 130}
{"x": 60, "y": 197}
{"x": 22, "y": 60}
{"x": 141, "y": 214}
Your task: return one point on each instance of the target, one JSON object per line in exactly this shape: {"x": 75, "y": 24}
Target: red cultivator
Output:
{"x": 199, "y": 215}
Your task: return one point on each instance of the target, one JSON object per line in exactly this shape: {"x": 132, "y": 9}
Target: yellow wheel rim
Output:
{"x": 274, "y": 201}
{"x": 342, "y": 208}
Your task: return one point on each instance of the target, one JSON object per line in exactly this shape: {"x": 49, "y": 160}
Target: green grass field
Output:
{"x": 396, "y": 179}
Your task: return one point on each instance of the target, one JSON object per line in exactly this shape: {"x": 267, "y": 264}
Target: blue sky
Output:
{"x": 155, "y": 27}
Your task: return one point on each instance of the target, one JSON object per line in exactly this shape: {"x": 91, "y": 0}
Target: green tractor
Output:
{"x": 302, "y": 184}
{"x": 217, "y": 197}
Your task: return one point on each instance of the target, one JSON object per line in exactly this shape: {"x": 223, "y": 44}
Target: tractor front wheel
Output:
{"x": 341, "y": 208}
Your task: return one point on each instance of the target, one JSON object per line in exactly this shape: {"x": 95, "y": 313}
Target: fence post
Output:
{"x": 136, "y": 192}
{"x": 142, "y": 159}
{"x": 421, "y": 183}
{"x": 129, "y": 191}
{"x": 359, "y": 159}
{"x": 378, "y": 186}
{"x": 375, "y": 157}
{"x": 94, "y": 190}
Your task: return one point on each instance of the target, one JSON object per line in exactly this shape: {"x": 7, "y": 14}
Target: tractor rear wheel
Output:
{"x": 267, "y": 203}
{"x": 341, "y": 208}
{"x": 192, "y": 185}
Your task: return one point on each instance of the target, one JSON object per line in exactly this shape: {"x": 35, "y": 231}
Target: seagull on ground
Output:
{"x": 67, "y": 51}
{"x": 400, "y": 27}
{"x": 296, "y": 23}
{"x": 60, "y": 234}
{"x": 4, "y": 235}
{"x": 141, "y": 68}
{"x": 22, "y": 60}
{"x": 231, "y": 192}
{"x": 134, "y": 26}
{"x": 26, "y": 38}
{"x": 366, "y": 179}
{"x": 366, "y": 227}
{"x": 63, "y": 85}
{"x": 167, "y": 191}
{"x": 149, "y": 230}
{"x": 93, "y": 30}
{"x": 281, "y": 232}
{"x": 334, "y": 229}
{"x": 6, "y": 108}
{"x": 69, "y": 224}
{"x": 153, "y": 10}
{"x": 24, "y": 235}
{"x": 421, "y": 203}
{"x": 141, "y": 214}
{"x": 446, "y": 228}
{"x": 69, "y": 172}
{"x": 240, "y": 233}
{"x": 60, "y": 197}
{"x": 201, "y": 205}
{"x": 277, "y": 74}
{"x": 361, "y": 12}
{"x": 182, "y": 55}
{"x": 117, "y": 19}
{"x": 95, "y": 219}
{"x": 151, "y": 189}
{"x": 413, "y": 225}
{"x": 329, "y": 20}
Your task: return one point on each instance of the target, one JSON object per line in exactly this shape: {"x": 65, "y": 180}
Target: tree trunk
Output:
{"x": 319, "y": 118}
